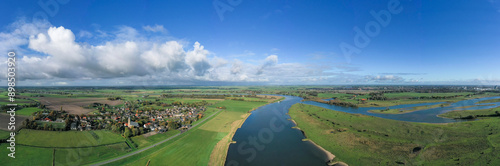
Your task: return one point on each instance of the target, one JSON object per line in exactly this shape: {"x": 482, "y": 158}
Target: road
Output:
{"x": 149, "y": 147}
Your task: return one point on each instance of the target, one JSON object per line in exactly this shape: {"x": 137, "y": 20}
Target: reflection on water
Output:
{"x": 427, "y": 115}
{"x": 266, "y": 137}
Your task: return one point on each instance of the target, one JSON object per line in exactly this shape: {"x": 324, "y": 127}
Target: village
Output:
{"x": 131, "y": 119}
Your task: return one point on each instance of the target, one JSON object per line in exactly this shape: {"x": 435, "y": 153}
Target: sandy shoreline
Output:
{"x": 233, "y": 131}
{"x": 328, "y": 153}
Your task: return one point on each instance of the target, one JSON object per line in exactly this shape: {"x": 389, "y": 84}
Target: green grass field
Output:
{"x": 408, "y": 110}
{"x": 54, "y": 124}
{"x": 413, "y": 94}
{"x": 142, "y": 141}
{"x": 82, "y": 156}
{"x": 489, "y": 101}
{"x": 401, "y": 98}
{"x": 28, "y": 111}
{"x": 4, "y": 134}
{"x": 366, "y": 140}
{"x": 67, "y": 138}
{"x": 26, "y": 155}
{"x": 239, "y": 106}
{"x": 461, "y": 114}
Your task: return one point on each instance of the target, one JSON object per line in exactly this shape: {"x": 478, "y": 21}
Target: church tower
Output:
{"x": 128, "y": 121}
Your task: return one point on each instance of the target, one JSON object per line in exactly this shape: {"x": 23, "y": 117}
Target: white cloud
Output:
{"x": 236, "y": 67}
{"x": 197, "y": 59}
{"x": 51, "y": 55}
{"x": 118, "y": 58}
{"x": 155, "y": 28}
{"x": 85, "y": 34}
{"x": 385, "y": 78}
{"x": 271, "y": 60}
{"x": 60, "y": 83}
{"x": 169, "y": 55}
{"x": 59, "y": 43}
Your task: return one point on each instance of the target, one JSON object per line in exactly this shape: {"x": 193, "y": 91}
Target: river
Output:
{"x": 267, "y": 136}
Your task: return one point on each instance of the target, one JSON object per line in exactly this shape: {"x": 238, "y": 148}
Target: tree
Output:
{"x": 127, "y": 132}
{"x": 135, "y": 131}
{"x": 142, "y": 130}
{"x": 173, "y": 125}
{"x": 115, "y": 129}
{"x": 68, "y": 123}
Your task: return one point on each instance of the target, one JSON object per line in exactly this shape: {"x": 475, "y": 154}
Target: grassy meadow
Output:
{"x": 4, "y": 134}
{"x": 141, "y": 141}
{"x": 36, "y": 147}
{"x": 366, "y": 140}
{"x": 67, "y": 138}
{"x": 26, "y": 155}
{"x": 398, "y": 98}
{"x": 27, "y": 111}
{"x": 408, "y": 110}
{"x": 466, "y": 113}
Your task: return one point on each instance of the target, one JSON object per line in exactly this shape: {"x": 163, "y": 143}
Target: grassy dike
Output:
{"x": 366, "y": 140}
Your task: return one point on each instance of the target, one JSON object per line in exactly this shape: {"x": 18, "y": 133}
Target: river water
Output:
{"x": 267, "y": 136}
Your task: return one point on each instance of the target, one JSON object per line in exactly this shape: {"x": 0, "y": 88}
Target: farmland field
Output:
{"x": 6, "y": 118}
{"x": 26, "y": 155}
{"x": 74, "y": 105}
{"x": 143, "y": 141}
{"x": 27, "y": 111}
{"x": 4, "y": 134}
{"x": 82, "y": 156}
{"x": 66, "y": 138}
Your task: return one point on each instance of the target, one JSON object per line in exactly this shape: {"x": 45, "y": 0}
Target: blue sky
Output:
{"x": 252, "y": 42}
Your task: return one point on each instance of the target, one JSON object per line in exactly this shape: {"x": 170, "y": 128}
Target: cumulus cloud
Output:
{"x": 155, "y": 28}
{"x": 236, "y": 67}
{"x": 385, "y": 78}
{"x": 52, "y": 55}
{"x": 197, "y": 59}
{"x": 169, "y": 55}
{"x": 85, "y": 34}
{"x": 271, "y": 60}
{"x": 19, "y": 34}
{"x": 59, "y": 43}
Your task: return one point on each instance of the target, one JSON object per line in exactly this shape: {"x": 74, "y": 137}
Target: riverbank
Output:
{"x": 470, "y": 114}
{"x": 219, "y": 153}
{"x": 330, "y": 155}
{"x": 408, "y": 110}
{"x": 367, "y": 140}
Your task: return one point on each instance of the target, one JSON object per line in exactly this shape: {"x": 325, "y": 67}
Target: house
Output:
{"x": 135, "y": 124}
{"x": 73, "y": 126}
{"x": 162, "y": 129}
{"x": 88, "y": 127}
